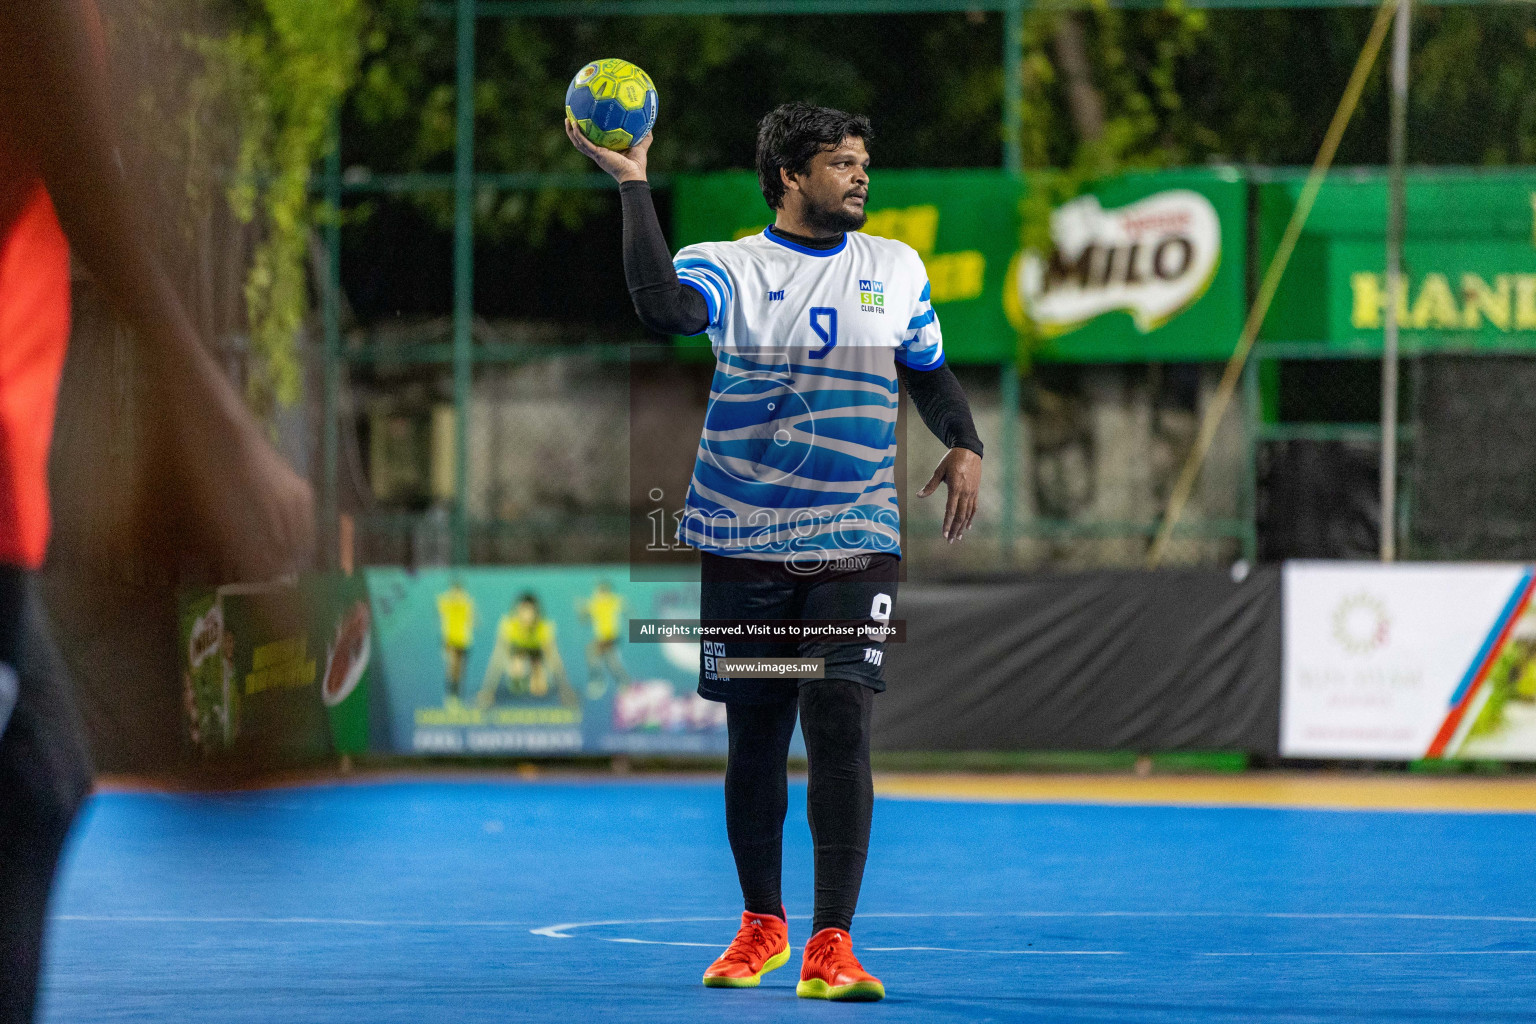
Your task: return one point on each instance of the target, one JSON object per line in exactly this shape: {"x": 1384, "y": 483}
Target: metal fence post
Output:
{"x": 1013, "y": 86}
{"x": 1397, "y": 146}
{"x": 1008, "y": 437}
{"x": 463, "y": 271}
{"x": 330, "y": 315}
{"x": 1253, "y": 407}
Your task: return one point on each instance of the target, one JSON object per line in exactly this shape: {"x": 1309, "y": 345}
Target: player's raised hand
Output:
{"x": 960, "y": 471}
{"x": 624, "y": 165}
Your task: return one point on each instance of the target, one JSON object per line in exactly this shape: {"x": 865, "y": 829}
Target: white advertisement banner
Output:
{"x": 1408, "y": 661}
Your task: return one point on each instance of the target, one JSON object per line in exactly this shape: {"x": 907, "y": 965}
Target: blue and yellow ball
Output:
{"x": 612, "y": 102}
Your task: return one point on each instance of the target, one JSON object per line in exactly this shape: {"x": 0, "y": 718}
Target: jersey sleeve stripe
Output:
{"x": 921, "y": 360}
{"x": 917, "y": 323}
{"x": 709, "y": 301}
{"x": 708, "y": 267}
{"x": 926, "y": 288}
{"x": 710, "y": 288}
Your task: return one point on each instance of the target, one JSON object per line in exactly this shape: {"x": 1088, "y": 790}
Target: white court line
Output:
{"x": 1019, "y": 952}
{"x": 658, "y": 942}
{"x": 562, "y": 931}
{"x": 1392, "y": 952}
{"x": 340, "y": 921}
{"x": 558, "y": 931}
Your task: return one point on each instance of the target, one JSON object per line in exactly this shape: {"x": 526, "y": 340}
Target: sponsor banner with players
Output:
{"x": 1471, "y": 278}
{"x": 277, "y": 674}
{"x": 1143, "y": 266}
{"x": 1399, "y": 662}
{"x": 536, "y": 661}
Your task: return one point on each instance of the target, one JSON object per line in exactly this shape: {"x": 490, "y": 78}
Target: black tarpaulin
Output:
{"x": 1142, "y": 661}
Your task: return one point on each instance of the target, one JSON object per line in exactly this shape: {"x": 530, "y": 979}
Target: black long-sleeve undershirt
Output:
{"x": 940, "y": 401}
{"x": 666, "y": 305}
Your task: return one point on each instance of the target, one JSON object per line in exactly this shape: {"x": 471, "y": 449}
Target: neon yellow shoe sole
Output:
{"x": 773, "y": 963}
{"x": 858, "y": 992}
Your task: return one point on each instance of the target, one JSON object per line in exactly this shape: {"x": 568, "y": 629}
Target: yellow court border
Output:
{"x": 1270, "y": 789}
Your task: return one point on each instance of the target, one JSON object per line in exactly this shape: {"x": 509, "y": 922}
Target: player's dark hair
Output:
{"x": 528, "y": 597}
{"x": 792, "y": 134}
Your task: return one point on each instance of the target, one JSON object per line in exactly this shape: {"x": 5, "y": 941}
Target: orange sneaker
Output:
{"x": 831, "y": 971}
{"x": 761, "y": 945}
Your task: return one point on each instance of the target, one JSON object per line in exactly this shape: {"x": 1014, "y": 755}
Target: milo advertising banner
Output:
{"x": 1469, "y": 257}
{"x": 1143, "y": 266}
{"x": 537, "y": 661}
{"x": 277, "y": 674}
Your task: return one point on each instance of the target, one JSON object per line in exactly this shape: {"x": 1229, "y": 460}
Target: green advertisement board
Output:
{"x": 1469, "y": 260}
{"x": 277, "y": 674}
{"x": 1145, "y": 266}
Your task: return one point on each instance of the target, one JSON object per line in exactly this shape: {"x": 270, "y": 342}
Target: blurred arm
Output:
{"x": 54, "y": 107}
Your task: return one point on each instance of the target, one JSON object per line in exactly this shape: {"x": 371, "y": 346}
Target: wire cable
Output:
{"x": 1271, "y": 283}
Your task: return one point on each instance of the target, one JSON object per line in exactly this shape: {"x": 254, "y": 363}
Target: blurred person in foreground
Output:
{"x": 63, "y": 191}
{"x": 793, "y": 505}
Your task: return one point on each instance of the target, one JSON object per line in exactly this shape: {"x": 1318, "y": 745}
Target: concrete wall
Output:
{"x": 559, "y": 448}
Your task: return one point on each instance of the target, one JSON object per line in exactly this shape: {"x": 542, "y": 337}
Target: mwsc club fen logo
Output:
{"x": 871, "y": 296}
{"x": 1361, "y": 624}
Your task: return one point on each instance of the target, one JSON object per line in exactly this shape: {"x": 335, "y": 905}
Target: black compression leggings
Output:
{"x": 834, "y": 716}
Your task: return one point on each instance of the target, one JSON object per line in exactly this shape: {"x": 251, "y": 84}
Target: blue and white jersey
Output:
{"x": 798, "y": 455}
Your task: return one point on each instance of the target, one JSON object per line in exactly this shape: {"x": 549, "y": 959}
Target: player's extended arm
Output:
{"x": 54, "y": 105}
{"x": 663, "y": 303}
{"x": 942, "y": 404}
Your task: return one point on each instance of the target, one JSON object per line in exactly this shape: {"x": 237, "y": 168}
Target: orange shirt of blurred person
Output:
{"x": 34, "y": 333}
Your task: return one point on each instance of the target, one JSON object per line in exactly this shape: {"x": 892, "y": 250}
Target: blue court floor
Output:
{"x": 577, "y": 901}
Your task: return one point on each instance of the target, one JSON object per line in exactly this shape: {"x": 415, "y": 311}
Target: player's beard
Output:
{"x": 832, "y": 218}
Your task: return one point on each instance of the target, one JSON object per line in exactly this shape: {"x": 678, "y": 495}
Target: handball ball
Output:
{"x": 612, "y": 103}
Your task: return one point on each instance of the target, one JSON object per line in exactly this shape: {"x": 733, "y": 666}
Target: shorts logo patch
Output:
{"x": 710, "y": 651}
{"x": 874, "y": 655}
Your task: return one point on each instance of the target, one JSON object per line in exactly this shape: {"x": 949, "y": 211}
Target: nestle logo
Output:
{"x": 777, "y": 296}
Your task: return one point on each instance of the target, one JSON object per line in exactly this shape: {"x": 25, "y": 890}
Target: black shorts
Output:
{"x": 861, "y": 588}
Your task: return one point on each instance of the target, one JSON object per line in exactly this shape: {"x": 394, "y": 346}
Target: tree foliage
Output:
{"x": 245, "y": 122}
{"x": 228, "y": 113}
{"x": 283, "y": 73}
